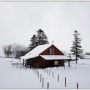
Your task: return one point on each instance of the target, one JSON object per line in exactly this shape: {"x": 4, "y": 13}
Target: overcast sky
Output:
{"x": 20, "y": 20}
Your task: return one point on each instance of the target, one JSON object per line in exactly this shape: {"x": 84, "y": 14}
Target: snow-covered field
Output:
{"x": 17, "y": 76}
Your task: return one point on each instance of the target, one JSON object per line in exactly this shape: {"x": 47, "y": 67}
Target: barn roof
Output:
{"x": 54, "y": 57}
{"x": 36, "y": 51}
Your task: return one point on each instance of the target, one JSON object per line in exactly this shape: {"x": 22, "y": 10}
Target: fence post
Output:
{"x": 53, "y": 74}
{"x": 58, "y": 78}
{"x": 42, "y": 82}
{"x": 23, "y": 62}
{"x": 45, "y": 70}
{"x": 77, "y": 85}
{"x": 38, "y": 74}
{"x": 40, "y": 77}
{"x": 65, "y": 81}
{"x": 47, "y": 85}
{"x": 64, "y": 67}
{"x": 49, "y": 72}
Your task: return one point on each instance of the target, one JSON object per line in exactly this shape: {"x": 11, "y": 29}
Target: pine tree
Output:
{"x": 76, "y": 48}
{"x": 34, "y": 42}
{"x": 42, "y": 38}
{"x": 38, "y": 39}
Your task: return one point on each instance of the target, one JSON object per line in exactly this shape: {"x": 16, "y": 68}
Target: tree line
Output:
{"x": 40, "y": 38}
{"x": 17, "y": 50}
{"x": 14, "y": 50}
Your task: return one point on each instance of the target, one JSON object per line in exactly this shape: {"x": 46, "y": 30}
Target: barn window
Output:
{"x": 51, "y": 50}
{"x": 56, "y": 62}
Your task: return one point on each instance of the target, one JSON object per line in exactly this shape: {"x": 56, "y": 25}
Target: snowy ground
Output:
{"x": 16, "y": 76}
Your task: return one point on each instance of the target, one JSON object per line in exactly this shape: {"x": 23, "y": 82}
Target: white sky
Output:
{"x": 20, "y": 20}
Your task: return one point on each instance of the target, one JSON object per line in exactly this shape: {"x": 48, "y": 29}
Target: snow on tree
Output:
{"x": 38, "y": 39}
{"x": 42, "y": 38}
{"x": 76, "y": 48}
{"x": 34, "y": 42}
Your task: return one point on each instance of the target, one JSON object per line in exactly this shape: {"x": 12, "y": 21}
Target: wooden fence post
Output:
{"x": 45, "y": 70}
{"x": 53, "y": 74}
{"x": 49, "y": 72}
{"x": 64, "y": 67}
{"x": 77, "y": 85}
{"x": 42, "y": 82}
{"x": 38, "y": 74}
{"x": 47, "y": 85}
{"x": 58, "y": 78}
{"x": 23, "y": 62}
{"x": 65, "y": 81}
{"x": 40, "y": 77}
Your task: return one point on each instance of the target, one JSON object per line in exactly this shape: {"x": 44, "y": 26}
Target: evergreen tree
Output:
{"x": 34, "y": 42}
{"x": 76, "y": 48}
{"x": 42, "y": 38}
{"x": 38, "y": 39}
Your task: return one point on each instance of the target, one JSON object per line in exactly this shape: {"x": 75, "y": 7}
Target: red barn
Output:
{"x": 45, "y": 56}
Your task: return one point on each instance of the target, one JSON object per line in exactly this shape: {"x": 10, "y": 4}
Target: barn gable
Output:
{"x": 52, "y": 50}
{"x": 46, "y": 49}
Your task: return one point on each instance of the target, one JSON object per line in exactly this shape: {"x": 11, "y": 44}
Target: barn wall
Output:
{"x": 39, "y": 62}
{"x": 56, "y": 51}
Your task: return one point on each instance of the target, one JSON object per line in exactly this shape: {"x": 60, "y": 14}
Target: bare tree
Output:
{"x": 7, "y": 50}
{"x": 15, "y": 50}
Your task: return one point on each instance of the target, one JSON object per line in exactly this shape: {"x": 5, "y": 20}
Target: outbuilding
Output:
{"x": 44, "y": 56}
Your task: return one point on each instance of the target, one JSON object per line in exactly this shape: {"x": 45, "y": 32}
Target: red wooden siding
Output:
{"x": 39, "y": 62}
{"x": 47, "y": 51}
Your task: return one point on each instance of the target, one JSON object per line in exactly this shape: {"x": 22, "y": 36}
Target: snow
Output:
{"x": 16, "y": 76}
{"x": 53, "y": 57}
{"x": 36, "y": 51}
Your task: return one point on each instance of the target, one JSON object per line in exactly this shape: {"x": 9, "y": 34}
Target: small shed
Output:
{"x": 44, "y": 56}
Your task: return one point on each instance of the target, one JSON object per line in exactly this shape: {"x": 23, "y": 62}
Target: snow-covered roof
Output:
{"x": 53, "y": 57}
{"x": 36, "y": 51}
